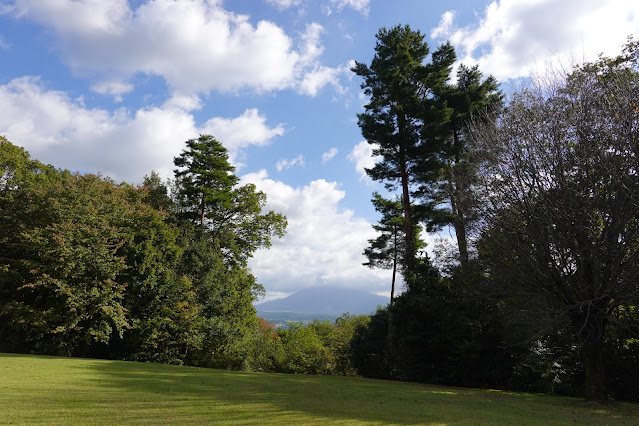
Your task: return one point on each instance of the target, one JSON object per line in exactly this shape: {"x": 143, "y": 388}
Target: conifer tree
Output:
{"x": 401, "y": 86}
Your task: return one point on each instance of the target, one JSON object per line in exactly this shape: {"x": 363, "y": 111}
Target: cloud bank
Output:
{"x": 514, "y": 38}
{"x": 122, "y": 144}
{"x": 195, "y": 46}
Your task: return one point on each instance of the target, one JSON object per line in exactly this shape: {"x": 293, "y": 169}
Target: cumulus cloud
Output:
{"x": 248, "y": 129}
{"x": 316, "y": 79}
{"x": 284, "y": 4}
{"x": 112, "y": 88}
{"x": 324, "y": 242}
{"x": 328, "y": 156}
{"x": 195, "y": 46}
{"x": 122, "y": 144}
{"x": 362, "y": 157}
{"x": 287, "y": 164}
{"x": 444, "y": 29}
{"x": 515, "y": 38}
{"x": 339, "y": 5}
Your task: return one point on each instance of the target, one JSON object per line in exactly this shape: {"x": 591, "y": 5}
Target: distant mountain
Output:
{"x": 325, "y": 301}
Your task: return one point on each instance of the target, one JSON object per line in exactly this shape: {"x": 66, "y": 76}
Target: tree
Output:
{"x": 60, "y": 288}
{"x": 400, "y": 86}
{"x": 207, "y": 194}
{"x": 205, "y": 178}
{"x": 448, "y": 190}
{"x": 561, "y": 221}
{"x": 157, "y": 193}
{"x": 388, "y": 250}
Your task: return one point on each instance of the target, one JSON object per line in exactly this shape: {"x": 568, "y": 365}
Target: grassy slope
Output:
{"x": 66, "y": 390}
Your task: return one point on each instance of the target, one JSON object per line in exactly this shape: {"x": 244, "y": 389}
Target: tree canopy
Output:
{"x": 400, "y": 88}
{"x": 562, "y": 211}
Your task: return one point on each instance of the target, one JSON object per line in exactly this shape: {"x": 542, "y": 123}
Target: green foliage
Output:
{"x": 321, "y": 347}
{"x": 447, "y": 180}
{"x": 207, "y": 194}
{"x": 205, "y": 178}
{"x": 61, "y": 286}
{"x": 399, "y": 84}
{"x": 157, "y": 193}
{"x": 304, "y": 352}
{"x": 369, "y": 349}
{"x": 264, "y": 349}
{"x": 91, "y": 268}
{"x": 441, "y": 336}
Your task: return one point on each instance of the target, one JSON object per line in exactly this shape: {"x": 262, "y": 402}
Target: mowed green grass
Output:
{"x": 52, "y": 390}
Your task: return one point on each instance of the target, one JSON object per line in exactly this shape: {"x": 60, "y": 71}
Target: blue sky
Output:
{"x": 117, "y": 86}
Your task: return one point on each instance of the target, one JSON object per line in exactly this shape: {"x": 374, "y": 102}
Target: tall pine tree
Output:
{"x": 401, "y": 87}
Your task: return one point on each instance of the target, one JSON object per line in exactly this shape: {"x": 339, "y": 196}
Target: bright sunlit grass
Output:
{"x": 52, "y": 390}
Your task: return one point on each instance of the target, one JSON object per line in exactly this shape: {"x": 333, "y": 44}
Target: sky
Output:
{"x": 117, "y": 86}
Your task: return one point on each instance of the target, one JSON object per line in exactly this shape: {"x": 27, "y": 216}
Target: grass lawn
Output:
{"x": 36, "y": 389}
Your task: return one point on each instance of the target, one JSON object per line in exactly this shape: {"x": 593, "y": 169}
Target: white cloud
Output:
{"x": 122, "y": 144}
{"x": 195, "y": 46}
{"x": 444, "y": 29}
{"x": 318, "y": 78}
{"x": 248, "y": 129}
{"x": 362, "y": 157}
{"x": 284, "y": 4}
{"x": 272, "y": 295}
{"x": 4, "y": 45}
{"x": 112, "y": 88}
{"x": 515, "y": 38}
{"x": 327, "y": 156}
{"x": 287, "y": 164}
{"x": 358, "y": 5}
{"x": 324, "y": 242}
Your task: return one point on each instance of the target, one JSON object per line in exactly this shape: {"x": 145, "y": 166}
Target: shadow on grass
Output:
{"x": 280, "y": 398}
{"x": 67, "y": 390}
{"x": 269, "y": 398}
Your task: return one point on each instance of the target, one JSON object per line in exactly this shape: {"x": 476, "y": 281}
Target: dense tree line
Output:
{"x": 543, "y": 196}
{"x": 93, "y": 268}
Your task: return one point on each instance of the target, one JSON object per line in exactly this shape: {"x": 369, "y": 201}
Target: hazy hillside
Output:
{"x": 325, "y": 301}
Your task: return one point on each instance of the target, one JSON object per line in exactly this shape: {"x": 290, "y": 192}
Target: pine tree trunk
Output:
{"x": 392, "y": 296}
{"x": 408, "y": 222}
{"x": 455, "y": 192}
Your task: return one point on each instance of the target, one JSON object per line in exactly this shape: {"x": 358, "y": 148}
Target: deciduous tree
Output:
{"x": 562, "y": 217}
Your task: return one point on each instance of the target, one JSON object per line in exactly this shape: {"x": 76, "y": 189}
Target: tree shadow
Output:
{"x": 272, "y": 398}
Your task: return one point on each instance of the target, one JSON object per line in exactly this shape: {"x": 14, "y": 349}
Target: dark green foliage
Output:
{"x": 448, "y": 178}
{"x": 207, "y": 194}
{"x": 562, "y": 221}
{"x": 91, "y": 268}
{"x": 389, "y": 250}
{"x": 62, "y": 284}
{"x": 439, "y": 336}
{"x": 369, "y": 347}
{"x": 439, "y": 331}
{"x": 157, "y": 193}
{"x": 400, "y": 85}
{"x": 224, "y": 296}
{"x": 621, "y": 366}
{"x": 205, "y": 179}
